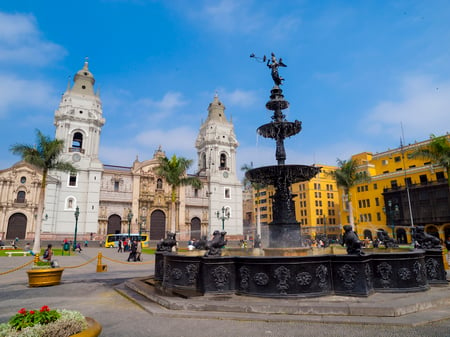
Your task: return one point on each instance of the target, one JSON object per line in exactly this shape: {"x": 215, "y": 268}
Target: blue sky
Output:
{"x": 357, "y": 72}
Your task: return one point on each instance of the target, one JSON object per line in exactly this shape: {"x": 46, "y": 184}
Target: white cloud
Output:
{"x": 244, "y": 17}
{"x": 20, "y": 93}
{"x": 240, "y": 98}
{"x": 21, "y": 42}
{"x": 423, "y": 108}
{"x": 180, "y": 139}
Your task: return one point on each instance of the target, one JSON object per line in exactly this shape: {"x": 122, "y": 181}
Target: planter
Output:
{"x": 94, "y": 329}
{"x": 44, "y": 277}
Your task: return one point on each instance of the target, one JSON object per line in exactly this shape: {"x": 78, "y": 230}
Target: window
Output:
{"x": 423, "y": 179}
{"x": 377, "y": 202}
{"x": 394, "y": 184}
{"x": 21, "y": 197}
{"x": 378, "y": 216}
{"x": 195, "y": 193}
{"x": 77, "y": 142}
{"x": 23, "y": 180}
{"x": 397, "y": 159}
{"x": 116, "y": 186}
{"x": 384, "y": 162}
{"x": 223, "y": 161}
{"x": 440, "y": 176}
{"x": 408, "y": 181}
{"x": 375, "y": 186}
{"x": 73, "y": 179}
{"x": 227, "y": 193}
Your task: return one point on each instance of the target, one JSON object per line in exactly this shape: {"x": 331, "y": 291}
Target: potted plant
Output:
{"x": 50, "y": 323}
{"x": 44, "y": 273}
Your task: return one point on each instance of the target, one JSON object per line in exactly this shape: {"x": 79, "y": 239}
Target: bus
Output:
{"x": 112, "y": 240}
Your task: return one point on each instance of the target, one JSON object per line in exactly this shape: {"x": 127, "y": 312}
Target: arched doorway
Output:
{"x": 433, "y": 230}
{"x": 157, "y": 225}
{"x": 17, "y": 227}
{"x": 401, "y": 235}
{"x": 367, "y": 234}
{"x": 196, "y": 228}
{"x": 114, "y": 226}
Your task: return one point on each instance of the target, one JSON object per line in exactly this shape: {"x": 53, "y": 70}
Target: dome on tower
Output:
{"x": 84, "y": 81}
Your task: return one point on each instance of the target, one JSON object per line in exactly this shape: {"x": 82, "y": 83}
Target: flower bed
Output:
{"x": 46, "y": 323}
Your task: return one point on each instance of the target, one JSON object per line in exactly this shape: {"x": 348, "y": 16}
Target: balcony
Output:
{"x": 76, "y": 149}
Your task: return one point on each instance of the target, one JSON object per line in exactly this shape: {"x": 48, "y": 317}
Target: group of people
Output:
{"x": 134, "y": 247}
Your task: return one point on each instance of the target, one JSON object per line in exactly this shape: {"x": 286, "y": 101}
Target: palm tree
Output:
{"x": 347, "y": 176}
{"x": 174, "y": 172}
{"x": 44, "y": 156}
{"x": 257, "y": 187}
{"x": 437, "y": 151}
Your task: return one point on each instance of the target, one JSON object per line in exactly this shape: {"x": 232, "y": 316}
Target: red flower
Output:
{"x": 22, "y": 311}
{"x": 31, "y": 312}
{"x": 45, "y": 308}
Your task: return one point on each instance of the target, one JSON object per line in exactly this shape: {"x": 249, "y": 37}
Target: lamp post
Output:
{"x": 77, "y": 214}
{"x": 225, "y": 216}
{"x": 142, "y": 225}
{"x": 130, "y": 217}
{"x": 391, "y": 212}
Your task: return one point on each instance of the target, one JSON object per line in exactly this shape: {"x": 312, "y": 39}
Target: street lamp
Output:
{"x": 225, "y": 216}
{"x": 77, "y": 214}
{"x": 130, "y": 217}
{"x": 390, "y": 214}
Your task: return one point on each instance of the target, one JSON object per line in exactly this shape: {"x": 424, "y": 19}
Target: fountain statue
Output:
{"x": 284, "y": 230}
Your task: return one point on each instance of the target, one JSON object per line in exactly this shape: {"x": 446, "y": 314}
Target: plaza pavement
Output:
{"x": 123, "y": 312}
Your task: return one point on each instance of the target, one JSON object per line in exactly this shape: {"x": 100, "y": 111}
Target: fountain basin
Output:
{"x": 299, "y": 276}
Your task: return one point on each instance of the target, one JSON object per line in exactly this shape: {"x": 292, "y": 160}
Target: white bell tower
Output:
{"x": 216, "y": 149}
{"x": 78, "y": 121}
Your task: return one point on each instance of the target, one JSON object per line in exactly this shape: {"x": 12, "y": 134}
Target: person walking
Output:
{"x": 133, "y": 250}
{"x": 138, "y": 251}
{"x": 120, "y": 250}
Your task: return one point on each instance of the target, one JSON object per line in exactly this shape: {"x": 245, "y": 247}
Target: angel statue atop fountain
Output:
{"x": 273, "y": 64}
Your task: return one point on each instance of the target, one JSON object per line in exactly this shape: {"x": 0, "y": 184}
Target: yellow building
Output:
{"x": 316, "y": 205}
{"x": 403, "y": 192}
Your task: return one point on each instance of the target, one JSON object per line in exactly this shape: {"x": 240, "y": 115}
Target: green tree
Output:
{"x": 45, "y": 157}
{"x": 437, "y": 151}
{"x": 347, "y": 176}
{"x": 255, "y": 187}
{"x": 173, "y": 170}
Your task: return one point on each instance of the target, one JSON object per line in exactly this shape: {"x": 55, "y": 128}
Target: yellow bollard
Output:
{"x": 101, "y": 267}
{"x": 36, "y": 259}
{"x": 445, "y": 257}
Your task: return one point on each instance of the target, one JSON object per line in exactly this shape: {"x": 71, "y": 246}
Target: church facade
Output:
{"x": 112, "y": 199}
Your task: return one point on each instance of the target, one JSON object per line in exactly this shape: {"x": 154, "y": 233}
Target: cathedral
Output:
{"x": 121, "y": 199}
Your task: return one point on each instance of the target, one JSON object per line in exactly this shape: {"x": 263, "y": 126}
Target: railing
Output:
{"x": 76, "y": 149}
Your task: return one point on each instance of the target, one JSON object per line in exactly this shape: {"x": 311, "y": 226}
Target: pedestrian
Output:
{"x": 120, "y": 250}
{"x": 138, "y": 251}
{"x": 133, "y": 250}
{"x": 48, "y": 253}
{"x": 125, "y": 245}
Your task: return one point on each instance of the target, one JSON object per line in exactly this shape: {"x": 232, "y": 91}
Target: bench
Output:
{"x": 17, "y": 253}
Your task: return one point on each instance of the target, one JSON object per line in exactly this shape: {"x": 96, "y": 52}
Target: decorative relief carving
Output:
{"x": 369, "y": 275}
{"x": 221, "y": 277}
{"x": 384, "y": 269}
{"x": 245, "y": 277}
{"x": 419, "y": 271}
{"x": 322, "y": 275}
{"x": 304, "y": 278}
{"x": 192, "y": 272}
{"x": 282, "y": 274}
{"x": 261, "y": 279}
{"x": 176, "y": 273}
{"x": 347, "y": 275}
{"x": 404, "y": 274}
{"x": 432, "y": 266}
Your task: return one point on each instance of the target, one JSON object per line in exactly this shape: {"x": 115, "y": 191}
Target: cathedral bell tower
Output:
{"x": 78, "y": 121}
{"x": 216, "y": 149}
